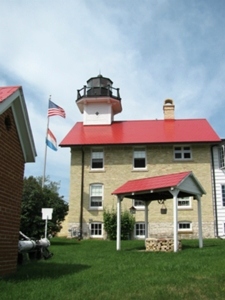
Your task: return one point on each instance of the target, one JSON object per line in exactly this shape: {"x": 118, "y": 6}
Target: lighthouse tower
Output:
{"x": 98, "y": 101}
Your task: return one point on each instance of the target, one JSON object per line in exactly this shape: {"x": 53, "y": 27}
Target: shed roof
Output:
{"x": 12, "y": 96}
{"x": 6, "y": 91}
{"x": 159, "y": 187}
{"x": 142, "y": 132}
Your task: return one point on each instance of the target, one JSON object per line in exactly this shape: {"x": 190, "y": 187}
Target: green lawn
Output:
{"x": 95, "y": 270}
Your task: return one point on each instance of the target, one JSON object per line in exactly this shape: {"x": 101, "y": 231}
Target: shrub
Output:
{"x": 110, "y": 224}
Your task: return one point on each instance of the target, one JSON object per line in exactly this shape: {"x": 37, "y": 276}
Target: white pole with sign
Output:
{"x": 46, "y": 215}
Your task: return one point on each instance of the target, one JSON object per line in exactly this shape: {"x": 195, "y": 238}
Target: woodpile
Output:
{"x": 161, "y": 244}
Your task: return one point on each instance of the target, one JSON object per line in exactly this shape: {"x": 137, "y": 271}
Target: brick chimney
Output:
{"x": 168, "y": 109}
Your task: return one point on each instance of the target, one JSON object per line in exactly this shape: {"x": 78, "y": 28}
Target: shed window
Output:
{"x": 223, "y": 194}
{"x": 221, "y": 157}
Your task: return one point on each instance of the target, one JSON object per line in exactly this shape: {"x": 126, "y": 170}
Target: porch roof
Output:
{"x": 160, "y": 187}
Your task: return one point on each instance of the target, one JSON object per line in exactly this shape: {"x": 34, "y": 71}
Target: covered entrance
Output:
{"x": 170, "y": 186}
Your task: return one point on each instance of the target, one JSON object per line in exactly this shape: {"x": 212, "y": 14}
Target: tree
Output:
{"x": 33, "y": 200}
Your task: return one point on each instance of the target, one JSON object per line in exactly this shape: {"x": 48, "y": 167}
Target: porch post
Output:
{"x": 146, "y": 218}
{"x": 118, "y": 236}
{"x": 175, "y": 219}
{"x": 199, "y": 221}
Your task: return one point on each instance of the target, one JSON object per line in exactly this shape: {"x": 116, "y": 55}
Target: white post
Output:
{"x": 46, "y": 215}
{"x": 118, "y": 236}
{"x": 146, "y": 218}
{"x": 175, "y": 220}
{"x": 46, "y": 226}
{"x": 199, "y": 222}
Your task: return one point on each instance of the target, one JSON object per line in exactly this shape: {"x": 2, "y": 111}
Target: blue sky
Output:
{"x": 152, "y": 50}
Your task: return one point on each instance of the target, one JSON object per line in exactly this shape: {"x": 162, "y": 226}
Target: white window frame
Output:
{"x": 182, "y": 151}
{"x": 221, "y": 157}
{"x": 223, "y": 194}
{"x": 183, "y": 206}
{"x": 138, "y": 204}
{"x": 137, "y": 224}
{"x": 139, "y": 153}
{"x": 92, "y": 194}
{"x": 93, "y": 235}
{"x": 183, "y": 224}
{"x": 97, "y": 154}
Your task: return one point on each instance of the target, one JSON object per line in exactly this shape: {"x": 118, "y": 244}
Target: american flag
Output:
{"x": 55, "y": 110}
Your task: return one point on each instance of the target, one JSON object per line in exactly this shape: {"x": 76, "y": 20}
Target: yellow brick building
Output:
{"x": 107, "y": 153}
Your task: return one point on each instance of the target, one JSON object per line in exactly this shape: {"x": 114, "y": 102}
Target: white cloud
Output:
{"x": 152, "y": 50}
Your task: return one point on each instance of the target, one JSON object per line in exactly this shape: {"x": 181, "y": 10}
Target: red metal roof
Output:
{"x": 152, "y": 183}
{"x": 142, "y": 132}
{"x": 5, "y": 92}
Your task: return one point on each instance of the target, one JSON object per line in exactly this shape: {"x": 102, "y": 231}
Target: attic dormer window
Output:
{"x": 223, "y": 194}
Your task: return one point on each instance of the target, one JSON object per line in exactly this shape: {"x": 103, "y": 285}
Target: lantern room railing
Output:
{"x": 98, "y": 91}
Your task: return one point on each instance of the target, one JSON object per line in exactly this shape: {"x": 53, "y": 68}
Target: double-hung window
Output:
{"x": 221, "y": 157}
{"x": 97, "y": 159}
{"x": 223, "y": 194}
{"x": 139, "y": 161}
{"x": 96, "y": 195}
{"x": 182, "y": 153}
{"x": 138, "y": 204}
{"x": 139, "y": 230}
{"x": 184, "y": 203}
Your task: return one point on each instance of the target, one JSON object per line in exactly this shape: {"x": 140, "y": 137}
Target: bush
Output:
{"x": 110, "y": 224}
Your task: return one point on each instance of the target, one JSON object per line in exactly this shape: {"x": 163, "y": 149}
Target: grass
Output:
{"x": 95, "y": 270}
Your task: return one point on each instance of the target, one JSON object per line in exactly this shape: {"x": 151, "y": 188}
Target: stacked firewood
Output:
{"x": 161, "y": 244}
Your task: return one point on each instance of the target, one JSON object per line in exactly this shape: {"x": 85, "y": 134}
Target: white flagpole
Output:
{"x": 45, "y": 157}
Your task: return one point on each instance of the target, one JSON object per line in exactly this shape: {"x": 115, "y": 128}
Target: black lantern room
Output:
{"x": 98, "y": 87}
